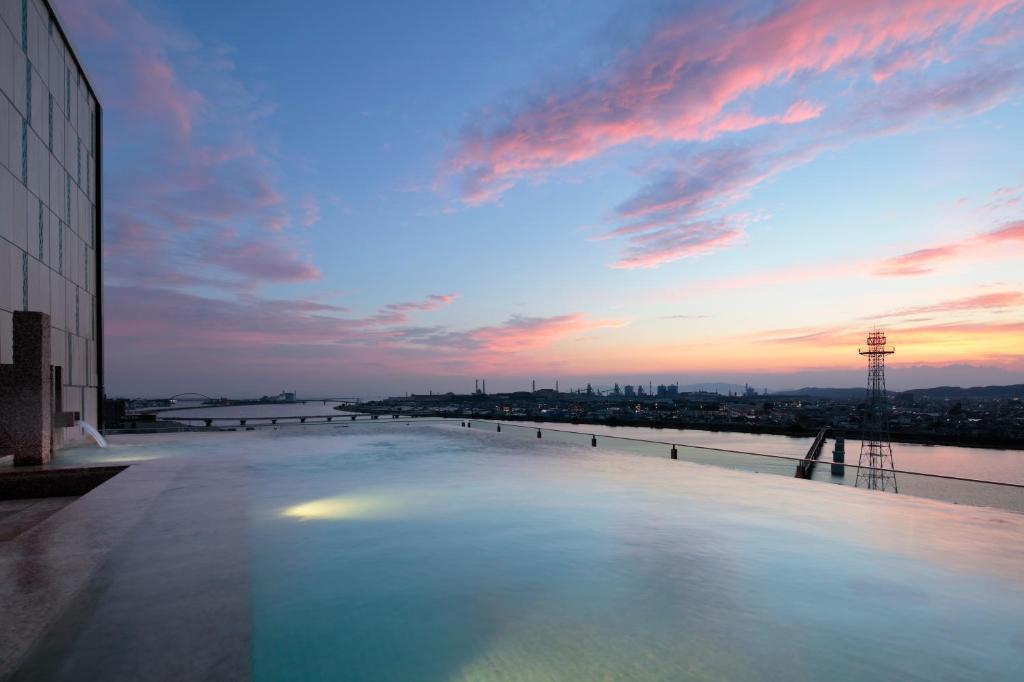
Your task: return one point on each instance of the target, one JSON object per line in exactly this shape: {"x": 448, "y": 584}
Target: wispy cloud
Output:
{"x": 929, "y": 259}
{"x": 993, "y": 301}
{"x": 529, "y": 333}
{"x": 679, "y": 83}
{"x": 695, "y": 78}
{"x": 196, "y": 188}
{"x": 306, "y": 339}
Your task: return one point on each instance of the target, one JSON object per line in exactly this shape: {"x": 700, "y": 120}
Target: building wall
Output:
{"x": 49, "y": 194}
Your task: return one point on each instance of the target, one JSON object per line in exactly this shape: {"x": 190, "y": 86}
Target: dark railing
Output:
{"x": 957, "y": 489}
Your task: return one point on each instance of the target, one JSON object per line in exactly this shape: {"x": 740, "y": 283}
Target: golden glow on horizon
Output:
{"x": 793, "y": 349}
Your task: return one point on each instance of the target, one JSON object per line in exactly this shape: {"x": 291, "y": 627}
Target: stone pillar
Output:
{"x": 26, "y": 390}
{"x": 839, "y": 457}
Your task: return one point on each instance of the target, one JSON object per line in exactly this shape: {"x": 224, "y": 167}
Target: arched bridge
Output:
{"x": 191, "y": 394}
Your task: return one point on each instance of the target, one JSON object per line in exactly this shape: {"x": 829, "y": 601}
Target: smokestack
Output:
{"x": 534, "y": 385}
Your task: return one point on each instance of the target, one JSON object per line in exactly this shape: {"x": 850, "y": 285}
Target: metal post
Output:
{"x": 675, "y": 453}
{"x": 538, "y": 433}
{"x": 593, "y": 441}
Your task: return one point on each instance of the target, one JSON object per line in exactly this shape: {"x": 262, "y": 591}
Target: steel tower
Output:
{"x": 875, "y": 469}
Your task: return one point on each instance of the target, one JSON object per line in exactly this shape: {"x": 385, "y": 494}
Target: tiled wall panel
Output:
{"x": 48, "y": 193}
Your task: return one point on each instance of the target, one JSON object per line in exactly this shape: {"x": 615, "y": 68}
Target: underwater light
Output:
{"x": 344, "y": 508}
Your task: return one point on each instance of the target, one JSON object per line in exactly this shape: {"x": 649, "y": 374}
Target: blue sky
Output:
{"x": 380, "y": 198}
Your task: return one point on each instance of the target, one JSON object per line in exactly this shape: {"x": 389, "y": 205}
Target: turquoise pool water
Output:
{"x": 387, "y": 552}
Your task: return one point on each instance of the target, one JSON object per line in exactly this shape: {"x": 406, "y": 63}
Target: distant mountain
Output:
{"x": 937, "y": 392}
{"x": 833, "y": 393}
{"x": 1014, "y": 390}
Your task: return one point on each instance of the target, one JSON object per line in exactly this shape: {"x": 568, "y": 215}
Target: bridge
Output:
{"x": 805, "y": 467}
{"x": 191, "y": 393}
{"x": 227, "y": 402}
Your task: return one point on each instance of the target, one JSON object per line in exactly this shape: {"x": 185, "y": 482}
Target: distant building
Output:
{"x": 666, "y": 391}
{"x": 629, "y": 391}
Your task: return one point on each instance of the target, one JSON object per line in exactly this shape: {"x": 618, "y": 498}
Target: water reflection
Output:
{"x": 554, "y": 561}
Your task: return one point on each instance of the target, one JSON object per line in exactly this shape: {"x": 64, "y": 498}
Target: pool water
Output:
{"x": 430, "y": 552}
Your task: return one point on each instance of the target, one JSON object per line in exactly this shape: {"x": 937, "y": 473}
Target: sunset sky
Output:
{"x": 372, "y": 198}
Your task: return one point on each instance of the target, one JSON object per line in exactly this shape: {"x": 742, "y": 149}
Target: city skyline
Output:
{"x": 370, "y": 199}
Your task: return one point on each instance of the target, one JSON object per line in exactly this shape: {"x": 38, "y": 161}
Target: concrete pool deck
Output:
{"x": 144, "y": 577}
{"x": 147, "y": 576}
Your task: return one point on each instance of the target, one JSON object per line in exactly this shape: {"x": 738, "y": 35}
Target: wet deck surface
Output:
{"x": 18, "y": 516}
{"x": 142, "y": 578}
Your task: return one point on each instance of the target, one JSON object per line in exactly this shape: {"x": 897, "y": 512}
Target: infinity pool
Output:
{"x": 390, "y": 552}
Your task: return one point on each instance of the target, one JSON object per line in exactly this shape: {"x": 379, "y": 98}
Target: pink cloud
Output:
{"x": 715, "y": 179}
{"x": 798, "y": 112}
{"x": 398, "y": 313}
{"x": 673, "y": 242}
{"x": 305, "y": 340}
{"x": 261, "y": 260}
{"x": 161, "y": 94}
{"x": 530, "y": 333}
{"x": 1010, "y": 232}
{"x": 196, "y": 186}
{"x": 431, "y": 302}
{"x": 678, "y": 84}
{"x": 925, "y": 261}
{"x": 998, "y": 300}
{"x": 693, "y": 79}
{"x": 917, "y": 262}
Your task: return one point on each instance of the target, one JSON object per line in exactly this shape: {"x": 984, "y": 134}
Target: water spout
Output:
{"x": 91, "y": 430}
